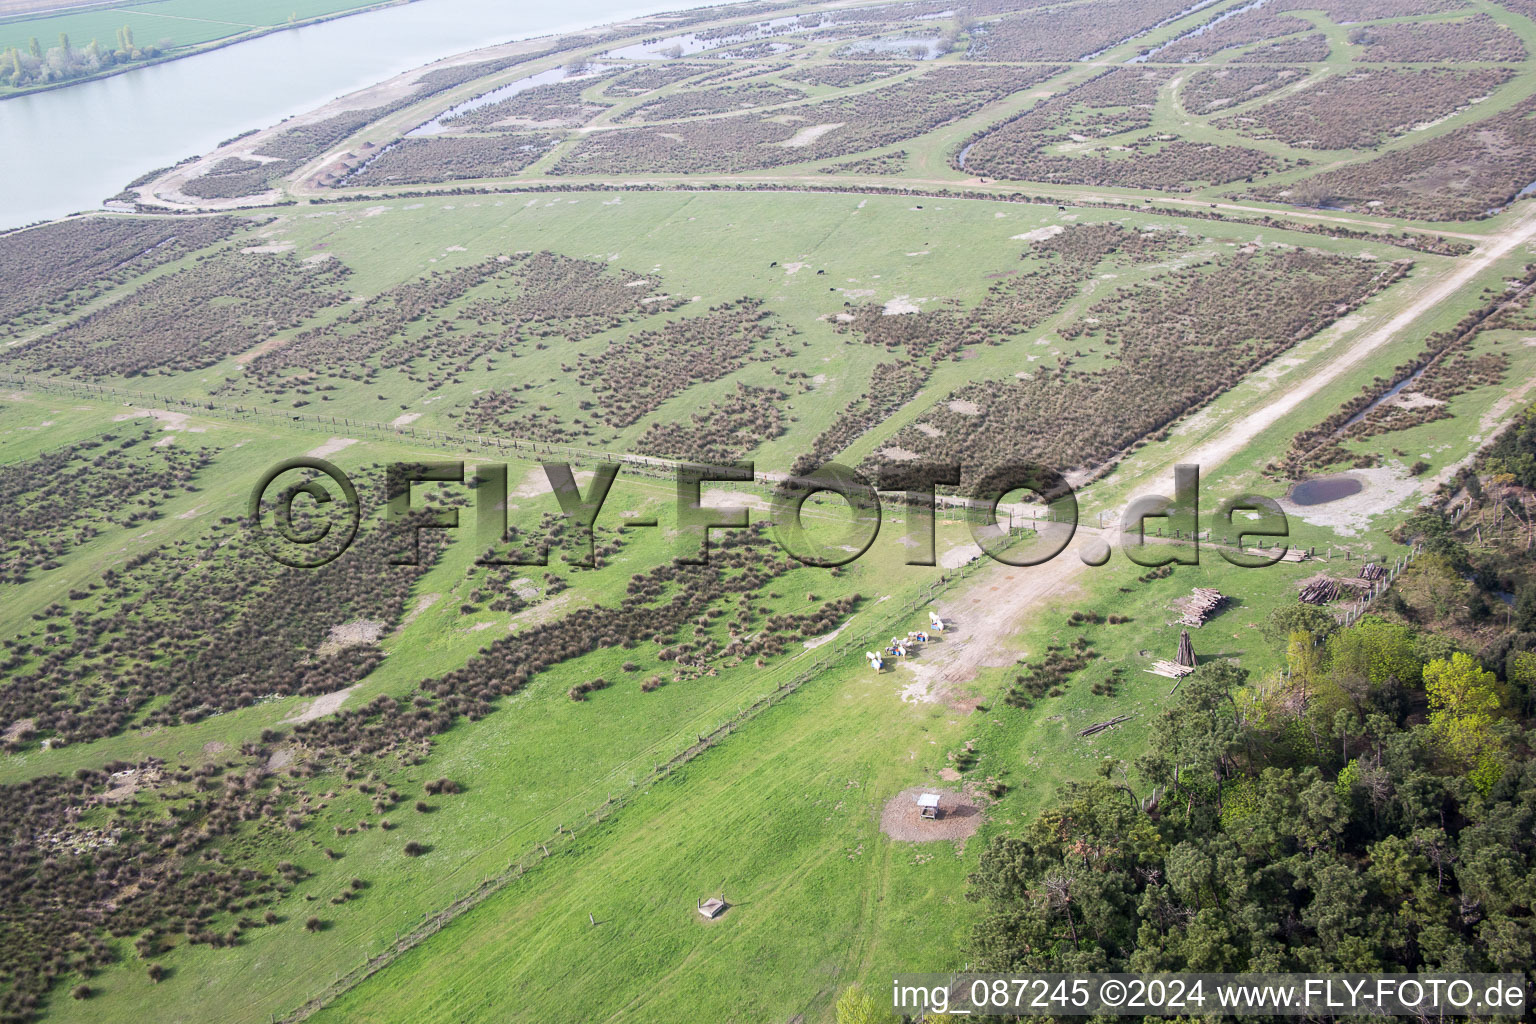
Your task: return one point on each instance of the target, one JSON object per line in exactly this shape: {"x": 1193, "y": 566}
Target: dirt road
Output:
{"x": 995, "y": 606}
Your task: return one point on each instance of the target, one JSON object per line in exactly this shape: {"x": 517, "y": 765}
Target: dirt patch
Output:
{"x": 15, "y": 730}
{"x": 534, "y": 484}
{"x": 812, "y": 644}
{"x": 172, "y": 420}
{"x": 965, "y": 408}
{"x": 959, "y": 555}
{"x": 1383, "y": 488}
{"x": 405, "y": 419}
{"x": 901, "y": 820}
{"x": 128, "y": 782}
{"x": 262, "y": 349}
{"x": 331, "y": 447}
{"x": 544, "y": 611}
{"x": 809, "y": 134}
{"x": 1040, "y": 234}
{"x": 900, "y": 305}
{"x": 720, "y": 497}
{"x": 351, "y": 634}
{"x": 982, "y": 619}
{"x": 326, "y": 704}
{"x": 1415, "y": 400}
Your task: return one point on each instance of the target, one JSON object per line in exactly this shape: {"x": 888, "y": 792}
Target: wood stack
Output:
{"x": 1186, "y": 655}
{"x": 1169, "y": 669}
{"x": 1201, "y": 605}
{"x": 1373, "y": 571}
{"x": 1319, "y": 591}
{"x": 1101, "y": 726}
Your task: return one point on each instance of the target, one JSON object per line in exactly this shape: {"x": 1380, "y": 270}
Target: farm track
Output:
{"x": 1005, "y": 597}
{"x": 1431, "y": 292}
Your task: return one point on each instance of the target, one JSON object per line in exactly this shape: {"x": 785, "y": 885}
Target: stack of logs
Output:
{"x": 1201, "y": 605}
{"x": 1319, "y": 591}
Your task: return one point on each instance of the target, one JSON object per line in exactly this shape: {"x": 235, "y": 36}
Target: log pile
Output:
{"x": 1201, "y": 605}
{"x": 1101, "y": 726}
{"x": 1319, "y": 591}
{"x": 1186, "y": 655}
{"x": 1373, "y": 571}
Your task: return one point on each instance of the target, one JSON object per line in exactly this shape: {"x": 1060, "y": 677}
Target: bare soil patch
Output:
{"x": 809, "y": 134}
{"x": 326, "y": 704}
{"x": 1040, "y": 234}
{"x": 172, "y": 420}
{"x": 958, "y": 817}
{"x": 331, "y": 447}
{"x": 352, "y": 634}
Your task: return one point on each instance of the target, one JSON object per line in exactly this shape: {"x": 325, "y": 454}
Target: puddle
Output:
{"x": 1324, "y": 489}
{"x": 550, "y": 77}
{"x": 1198, "y": 30}
{"x": 684, "y": 44}
{"x": 915, "y": 47}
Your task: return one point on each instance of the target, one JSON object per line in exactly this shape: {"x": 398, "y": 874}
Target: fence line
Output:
{"x": 1380, "y": 587}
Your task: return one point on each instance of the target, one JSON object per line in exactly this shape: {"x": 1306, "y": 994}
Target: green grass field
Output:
{"x": 561, "y": 883}
{"x": 170, "y": 24}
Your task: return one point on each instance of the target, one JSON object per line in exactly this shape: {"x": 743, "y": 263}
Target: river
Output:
{"x": 69, "y": 149}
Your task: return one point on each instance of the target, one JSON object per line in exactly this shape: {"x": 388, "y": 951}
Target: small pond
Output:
{"x": 1324, "y": 489}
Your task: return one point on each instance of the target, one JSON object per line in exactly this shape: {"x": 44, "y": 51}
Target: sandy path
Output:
{"x": 980, "y": 618}
{"x": 1431, "y": 293}
{"x": 992, "y": 608}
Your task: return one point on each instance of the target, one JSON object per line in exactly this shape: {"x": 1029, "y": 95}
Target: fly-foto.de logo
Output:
{"x": 306, "y": 512}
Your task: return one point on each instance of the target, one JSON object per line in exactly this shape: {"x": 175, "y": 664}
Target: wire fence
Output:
{"x": 1380, "y": 586}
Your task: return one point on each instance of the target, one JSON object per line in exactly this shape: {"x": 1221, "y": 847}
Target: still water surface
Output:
{"x": 67, "y": 150}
